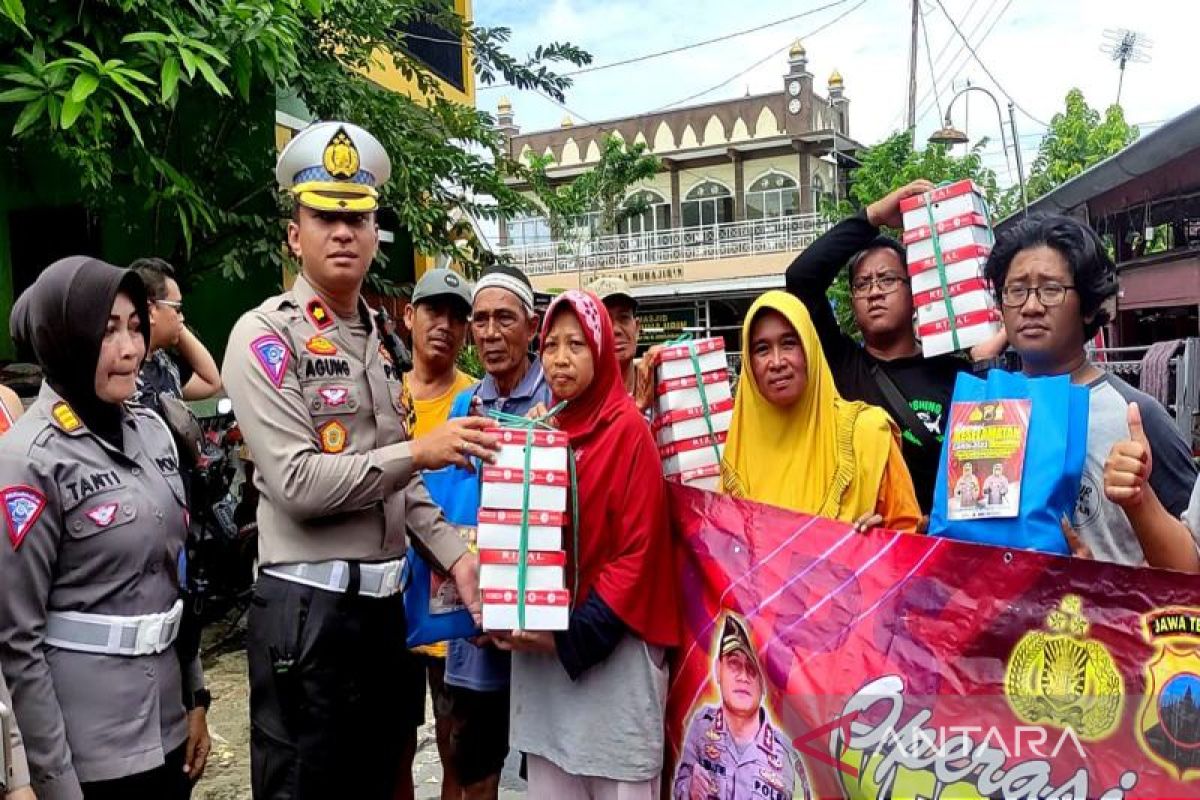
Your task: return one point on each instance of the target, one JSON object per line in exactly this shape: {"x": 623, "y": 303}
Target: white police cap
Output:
{"x": 334, "y": 166}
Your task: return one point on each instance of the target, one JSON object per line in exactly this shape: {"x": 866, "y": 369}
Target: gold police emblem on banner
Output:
{"x": 1058, "y": 677}
{"x": 1168, "y": 727}
{"x": 341, "y": 156}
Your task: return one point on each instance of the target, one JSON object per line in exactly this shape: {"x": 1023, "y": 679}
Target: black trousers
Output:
{"x": 331, "y": 695}
{"x": 167, "y": 782}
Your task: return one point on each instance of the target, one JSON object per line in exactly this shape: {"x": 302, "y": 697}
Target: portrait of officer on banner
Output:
{"x": 733, "y": 750}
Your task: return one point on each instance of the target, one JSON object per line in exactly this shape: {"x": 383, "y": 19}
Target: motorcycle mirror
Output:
{"x": 224, "y": 406}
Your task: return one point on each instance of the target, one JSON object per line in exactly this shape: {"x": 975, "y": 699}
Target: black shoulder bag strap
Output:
{"x": 901, "y": 410}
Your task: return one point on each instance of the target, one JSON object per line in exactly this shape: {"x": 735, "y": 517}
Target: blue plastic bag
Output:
{"x": 1056, "y": 443}
{"x": 428, "y": 603}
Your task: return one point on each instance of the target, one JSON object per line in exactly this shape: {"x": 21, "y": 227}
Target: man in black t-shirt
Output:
{"x": 881, "y": 297}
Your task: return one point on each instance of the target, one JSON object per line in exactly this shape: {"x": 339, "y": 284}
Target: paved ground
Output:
{"x": 228, "y": 774}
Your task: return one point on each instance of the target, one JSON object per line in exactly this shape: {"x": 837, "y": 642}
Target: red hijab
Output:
{"x": 624, "y": 532}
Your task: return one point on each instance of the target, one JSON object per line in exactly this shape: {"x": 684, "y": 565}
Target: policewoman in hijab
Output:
{"x": 795, "y": 443}
{"x": 588, "y": 702}
{"x": 93, "y": 514}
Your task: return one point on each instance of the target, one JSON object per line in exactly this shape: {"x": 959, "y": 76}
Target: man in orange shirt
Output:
{"x": 437, "y": 317}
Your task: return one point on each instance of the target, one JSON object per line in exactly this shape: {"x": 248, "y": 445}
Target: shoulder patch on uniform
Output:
{"x": 103, "y": 514}
{"x": 22, "y": 507}
{"x": 319, "y": 345}
{"x": 65, "y": 417}
{"x": 272, "y": 355}
{"x": 333, "y": 437}
{"x": 318, "y": 314}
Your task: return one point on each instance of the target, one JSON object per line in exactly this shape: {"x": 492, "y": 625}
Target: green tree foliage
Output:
{"x": 601, "y": 189}
{"x": 1078, "y": 138}
{"x": 144, "y": 101}
{"x": 886, "y": 167}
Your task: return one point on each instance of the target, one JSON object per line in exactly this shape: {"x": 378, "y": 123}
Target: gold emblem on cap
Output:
{"x": 341, "y": 156}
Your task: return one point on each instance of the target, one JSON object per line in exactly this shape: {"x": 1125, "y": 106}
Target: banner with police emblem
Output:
{"x": 820, "y": 662}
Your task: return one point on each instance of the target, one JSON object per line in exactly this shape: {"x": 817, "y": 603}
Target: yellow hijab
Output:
{"x": 823, "y": 455}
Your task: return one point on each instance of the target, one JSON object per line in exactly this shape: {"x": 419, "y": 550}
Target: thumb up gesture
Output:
{"x": 1128, "y": 466}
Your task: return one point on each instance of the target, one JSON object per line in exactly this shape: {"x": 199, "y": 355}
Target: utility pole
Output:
{"x": 912, "y": 70}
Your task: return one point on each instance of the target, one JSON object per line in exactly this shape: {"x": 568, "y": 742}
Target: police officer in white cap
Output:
{"x": 320, "y": 404}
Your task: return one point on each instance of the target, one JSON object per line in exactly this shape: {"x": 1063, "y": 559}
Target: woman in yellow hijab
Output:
{"x": 795, "y": 443}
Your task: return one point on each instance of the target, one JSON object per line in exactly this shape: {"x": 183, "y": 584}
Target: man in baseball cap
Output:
{"x": 622, "y": 308}
{"x": 437, "y": 317}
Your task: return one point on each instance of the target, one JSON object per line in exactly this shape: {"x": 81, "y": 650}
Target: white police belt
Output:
{"x": 382, "y": 579}
{"x": 108, "y": 634}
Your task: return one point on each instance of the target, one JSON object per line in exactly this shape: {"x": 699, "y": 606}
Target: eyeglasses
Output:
{"x": 175, "y": 304}
{"x": 1048, "y": 294}
{"x": 886, "y": 283}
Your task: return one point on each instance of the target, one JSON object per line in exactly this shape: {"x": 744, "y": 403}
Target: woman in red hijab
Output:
{"x": 588, "y": 702}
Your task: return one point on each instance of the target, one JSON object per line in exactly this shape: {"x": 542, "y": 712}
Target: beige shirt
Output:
{"x": 319, "y": 404}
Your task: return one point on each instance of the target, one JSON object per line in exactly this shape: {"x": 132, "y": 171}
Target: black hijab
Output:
{"x": 60, "y": 321}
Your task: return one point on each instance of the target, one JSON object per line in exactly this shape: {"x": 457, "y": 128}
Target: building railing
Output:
{"x": 700, "y": 243}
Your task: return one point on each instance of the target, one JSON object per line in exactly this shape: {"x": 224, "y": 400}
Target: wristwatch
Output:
{"x": 202, "y": 698}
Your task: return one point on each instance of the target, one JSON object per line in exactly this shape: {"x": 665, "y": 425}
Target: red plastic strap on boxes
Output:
{"x": 534, "y": 558}
{"x": 961, "y": 321}
{"x": 698, "y": 346}
{"x": 492, "y": 516}
{"x": 956, "y": 290}
{"x": 950, "y": 257}
{"x": 689, "y": 381}
{"x": 533, "y": 597}
{"x": 696, "y": 443}
{"x": 537, "y": 477}
{"x": 923, "y": 232}
{"x": 707, "y": 471}
{"x": 516, "y": 436}
{"x": 686, "y": 414}
{"x": 939, "y": 194}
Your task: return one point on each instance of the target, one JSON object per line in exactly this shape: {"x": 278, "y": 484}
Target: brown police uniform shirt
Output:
{"x": 92, "y": 529}
{"x": 319, "y": 403}
{"x": 764, "y": 767}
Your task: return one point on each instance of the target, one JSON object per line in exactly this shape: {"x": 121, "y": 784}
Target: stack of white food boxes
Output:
{"x": 547, "y": 599}
{"x": 689, "y": 444}
{"x": 958, "y": 291}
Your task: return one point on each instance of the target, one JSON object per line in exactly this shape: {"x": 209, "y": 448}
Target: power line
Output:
{"x": 929, "y": 56}
{"x": 983, "y": 66}
{"x": 922, "y": 102}
{"x": 761, "y": 61}
{"x": 925, "y": 106}
{"x": 682, "y": 48}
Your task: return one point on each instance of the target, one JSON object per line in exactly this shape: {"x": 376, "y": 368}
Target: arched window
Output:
{"x": 821, "y": 197}
{"x": 656, "y": 217}
{"x": 772, "y": 196}
{"x": 708, "y": 203}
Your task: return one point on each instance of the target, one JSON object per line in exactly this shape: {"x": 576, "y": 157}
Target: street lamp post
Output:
{"x": 950, "y": 136}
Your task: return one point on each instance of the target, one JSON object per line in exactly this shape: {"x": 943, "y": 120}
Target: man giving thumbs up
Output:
{"x": 1166, "y": 541}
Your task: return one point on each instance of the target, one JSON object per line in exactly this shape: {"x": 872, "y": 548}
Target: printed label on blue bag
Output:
{"x": 986, "y": 458}
{"x": 443, "y": 593}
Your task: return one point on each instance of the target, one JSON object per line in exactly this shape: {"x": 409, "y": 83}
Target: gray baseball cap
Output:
{"x": 442, "y": 282}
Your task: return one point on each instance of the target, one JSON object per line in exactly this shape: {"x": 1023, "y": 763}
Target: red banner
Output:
{"x": 903, "y": 666}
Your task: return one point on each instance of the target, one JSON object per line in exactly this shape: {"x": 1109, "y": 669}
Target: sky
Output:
{"x": 1036, "y": 49}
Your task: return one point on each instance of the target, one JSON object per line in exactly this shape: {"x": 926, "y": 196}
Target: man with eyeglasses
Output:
{"x": 887, "y": 369}
{"x": 177, "y": 364}
{"x": 1054, "y": 280}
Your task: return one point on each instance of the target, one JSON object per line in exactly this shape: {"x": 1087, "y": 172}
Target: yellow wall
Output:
{"x": 387, "y": 76}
